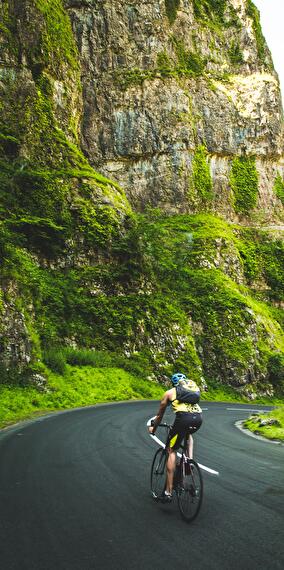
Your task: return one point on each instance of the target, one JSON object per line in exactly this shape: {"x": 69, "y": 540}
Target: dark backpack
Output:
{"x": 188, "y": 395}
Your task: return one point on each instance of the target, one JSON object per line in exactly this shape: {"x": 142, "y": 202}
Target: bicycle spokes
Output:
{"x": 190, "y": 490}
{"x": 158, "y": 474}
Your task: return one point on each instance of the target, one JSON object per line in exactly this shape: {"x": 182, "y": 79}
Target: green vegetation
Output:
{"x": 80, "y": 386}
{"x": 8, "y": 30}
{"x": 158, "y": 265}
{"x": 57, "y": 359}
{"x": 236, "y": 54}
{"x": 279, "y": 187}
{"x": 253, "y": 13}
{"x": 172, "y": 7}
{"x": 209, "y": 8}
{"x": 57, "y": 40}
{"x": 250, "y": 254}
{"x": 188, "y": 62}
{"x": 269, "y": 425}
{"x": 139, "y": 294}
{"x": 52, "y": 174}
{"x": 244, "y": 183}
{"x": 216, "y": 15}
{"x": 201, "y": 177}
{"x": 276, "y": 370}
{"x": 263, "y": 259}
{"x": 184, "y": 63}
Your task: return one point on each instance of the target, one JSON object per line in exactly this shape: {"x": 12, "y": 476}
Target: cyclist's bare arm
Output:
{"x": 166, "y": 399}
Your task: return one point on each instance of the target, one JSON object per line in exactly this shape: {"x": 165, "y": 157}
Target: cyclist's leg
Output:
{"x": 195, "y": 421}
{"x": 190, "y": 446}
{"x": 173, "y": 443}
{"x": 171, "y": 465}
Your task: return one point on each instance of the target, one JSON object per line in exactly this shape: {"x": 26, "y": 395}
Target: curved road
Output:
{"x": 74, "y": 495}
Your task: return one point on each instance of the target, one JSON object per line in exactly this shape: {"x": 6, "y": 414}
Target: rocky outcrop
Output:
{"x": 160, "y": 81}
{"x": 15, "y": 348}
{"x": 178, "y": 102}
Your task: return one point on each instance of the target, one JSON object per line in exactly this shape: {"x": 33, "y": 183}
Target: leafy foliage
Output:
{"x": 201, "y": 176}
{"x": 253, "y": 13}
{"x": 188, "y": 62}
{"x": 236, "y": 54}
{"x": 244, "y": 182}
{"x": 172, "y": 7}
{"x": 57, "y": 40}
{"x": 279, "y": 187}
{"x": 145, "y": 293}
{"x": 209, "y": 9}
{"x": 276, "y": 371}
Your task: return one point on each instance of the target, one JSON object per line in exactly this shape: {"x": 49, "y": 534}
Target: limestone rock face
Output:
{"x": 15, "y": 343}
{"x": 178, "y": 102}
{"x": 158, "y": 84}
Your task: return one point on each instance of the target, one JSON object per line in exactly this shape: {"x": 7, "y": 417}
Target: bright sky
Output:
{"x": 272, "y": 23}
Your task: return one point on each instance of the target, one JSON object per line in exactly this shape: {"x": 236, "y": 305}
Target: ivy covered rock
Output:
{"x": 141, "y": 189}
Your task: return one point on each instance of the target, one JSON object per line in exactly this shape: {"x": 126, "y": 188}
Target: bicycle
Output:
{"x": 188, "y": 482}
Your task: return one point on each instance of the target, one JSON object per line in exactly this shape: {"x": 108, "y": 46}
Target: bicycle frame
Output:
{"x": 188, "y": 483}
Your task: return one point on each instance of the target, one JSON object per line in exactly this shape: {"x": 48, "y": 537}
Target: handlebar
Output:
{"x": 161, "y": 425}
{"x": 151, "y": 422}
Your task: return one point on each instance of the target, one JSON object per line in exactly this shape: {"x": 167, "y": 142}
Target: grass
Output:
{"x": 268, "y": 431}
{"x": 95, "y": 381}
{"x": 220, "y": 393}
{"x": 79, "y": 386}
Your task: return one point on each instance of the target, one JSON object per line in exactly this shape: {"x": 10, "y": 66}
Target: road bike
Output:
{"x": 188, "y": 483}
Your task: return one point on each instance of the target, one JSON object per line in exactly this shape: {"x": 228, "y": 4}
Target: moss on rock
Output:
{"x": 201, "y": 183}
{"x": 172, "y": 7}
{"x": 244, "y": 183}
{"x": 279, "y": 187}
{"x": 161, "y": 291}
{"x": 253, "y": 13}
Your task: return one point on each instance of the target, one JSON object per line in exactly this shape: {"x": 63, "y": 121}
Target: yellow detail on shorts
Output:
{"x": 173, "y": 440}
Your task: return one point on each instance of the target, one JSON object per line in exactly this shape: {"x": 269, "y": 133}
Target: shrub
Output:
{"x": 87, "y": 357}
{"x": 236, "y": 54}
{"x": 55, "y": 359}
{"x": 275, "y": 370}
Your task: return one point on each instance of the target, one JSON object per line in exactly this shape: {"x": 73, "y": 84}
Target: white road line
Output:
{"x": 246, "y": 410}
{"x": 155, "y": 438}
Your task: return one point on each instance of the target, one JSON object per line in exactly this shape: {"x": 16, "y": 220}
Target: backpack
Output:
{"x": 188, "y": 392}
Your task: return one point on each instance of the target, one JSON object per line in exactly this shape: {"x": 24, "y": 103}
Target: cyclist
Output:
{"x": 183, "y": 397}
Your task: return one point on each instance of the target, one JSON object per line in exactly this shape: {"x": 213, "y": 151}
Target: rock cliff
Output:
{"x": 109, "y": 109}
{"x": 161, "y": 79}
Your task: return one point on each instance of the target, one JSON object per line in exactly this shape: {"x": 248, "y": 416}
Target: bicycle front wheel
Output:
{"x": 158, "y": 474}
{"x": 190, "y": 490}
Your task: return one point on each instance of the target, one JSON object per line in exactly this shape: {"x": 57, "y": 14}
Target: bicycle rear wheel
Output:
{"x": 158, "y": 474}
{"x": 190, "y": 490}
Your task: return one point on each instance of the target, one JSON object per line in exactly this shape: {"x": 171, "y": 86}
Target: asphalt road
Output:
{"x": 74, "y": 495}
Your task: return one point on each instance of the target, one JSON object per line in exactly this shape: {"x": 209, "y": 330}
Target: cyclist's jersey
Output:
{"x": 183, "y": 406}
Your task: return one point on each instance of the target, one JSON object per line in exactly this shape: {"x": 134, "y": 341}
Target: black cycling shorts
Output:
{"x": 185, "y": 423}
